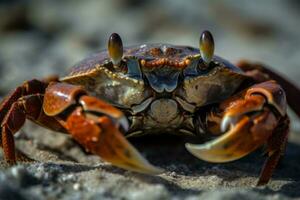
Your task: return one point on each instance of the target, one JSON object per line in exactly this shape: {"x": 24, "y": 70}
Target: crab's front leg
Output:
{"x": 261, "y": 73}
{"x": 94, "y": 124}
{"x": 250, "y": 119}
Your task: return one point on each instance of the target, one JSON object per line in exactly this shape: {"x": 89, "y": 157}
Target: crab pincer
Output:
{"x": 96, "y": 125}
{"x": 252, "y": 118}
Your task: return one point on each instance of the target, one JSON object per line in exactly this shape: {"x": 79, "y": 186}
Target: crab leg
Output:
{"x": 30, "y": 107}
{"x": 29, "y": 87}
{"x": 261, "y": 73}
{"x": 251, "y": 119}
{"x": 275, "y": 149}
{"x": 12, "y": 117}
{"x": 95, "y": 125}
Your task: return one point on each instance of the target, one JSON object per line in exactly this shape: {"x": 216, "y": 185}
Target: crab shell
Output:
{"x": 158, "y": 86}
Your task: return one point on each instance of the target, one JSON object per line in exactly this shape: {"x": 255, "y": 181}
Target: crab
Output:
{"x": 158, "y": 88}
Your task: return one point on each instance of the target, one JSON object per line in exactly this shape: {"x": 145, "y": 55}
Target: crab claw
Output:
{"x": 117, "y": 150}
{"x": 97, "y": 127}
{"x": 250, "y": 125}
{"x": 94, "y": 124}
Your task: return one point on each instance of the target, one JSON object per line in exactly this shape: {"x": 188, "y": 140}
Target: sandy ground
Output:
{"x": 64, "y": 171}
{"x": 46, "y": 37}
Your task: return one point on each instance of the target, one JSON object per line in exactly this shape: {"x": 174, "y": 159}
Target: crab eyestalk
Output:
{"x": 206, "y": 46}
{"x": 115, "y": 49}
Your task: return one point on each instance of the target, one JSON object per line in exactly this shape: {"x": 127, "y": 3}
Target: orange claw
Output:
{"x": 95, "y": 125}
{"x": 248, "y": 123}
{"x": 100, "y": 135}
{"x": 245, "y": 136}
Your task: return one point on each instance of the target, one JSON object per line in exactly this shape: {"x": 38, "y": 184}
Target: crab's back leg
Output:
{"x": 260, "y": 72}
{"x": 12, "y": 117}
{"x": 27, "y": 88}
{"x": 248, "y": 120}
{"x": 30, "y": 107}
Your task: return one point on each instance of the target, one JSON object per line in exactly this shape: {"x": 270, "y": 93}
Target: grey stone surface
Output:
{"x": 40, "y": 37}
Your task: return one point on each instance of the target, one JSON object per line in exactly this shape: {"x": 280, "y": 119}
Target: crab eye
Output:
{"x": 207, "y": 47}
{"x": 115, "y": 48}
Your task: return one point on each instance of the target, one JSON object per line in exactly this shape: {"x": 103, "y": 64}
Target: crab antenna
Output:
{"x": 206, "y": 46}
{"x": 115, "y": 48}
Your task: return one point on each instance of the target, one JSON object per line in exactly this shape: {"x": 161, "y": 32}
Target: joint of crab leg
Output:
{"x": 255, "y": 98}
{"x": 92, "y": 104}
{"x": 272, "y": 92}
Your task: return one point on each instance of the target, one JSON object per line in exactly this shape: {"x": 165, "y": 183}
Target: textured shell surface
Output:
{"x": 158, "y": 77}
